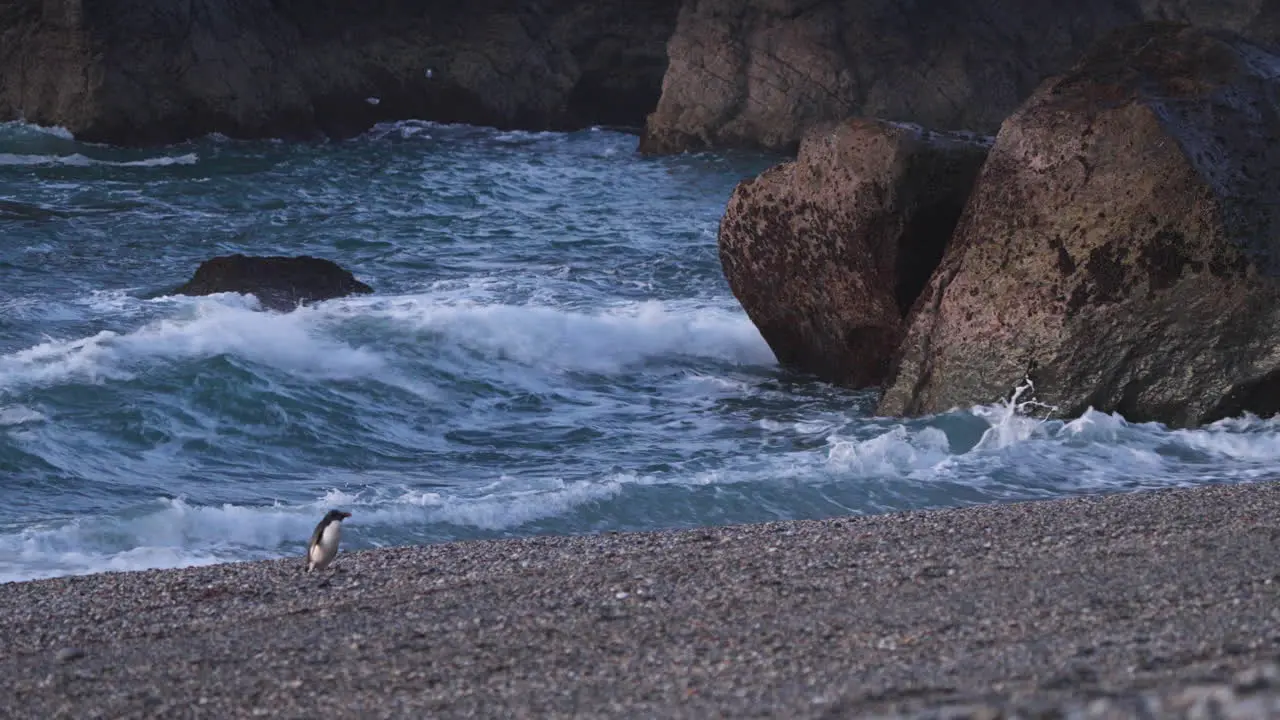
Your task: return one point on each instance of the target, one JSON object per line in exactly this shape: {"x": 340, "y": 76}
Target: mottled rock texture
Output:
{"x": 827, "y": 253}
{"x": 279, "y": 283}
{"x": 1122, "y": 244}
{"x": 154, "y": 71}
{"x": 759, "y": 73}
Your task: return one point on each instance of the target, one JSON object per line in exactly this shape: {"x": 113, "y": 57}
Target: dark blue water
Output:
{"x": 552, "y": 348}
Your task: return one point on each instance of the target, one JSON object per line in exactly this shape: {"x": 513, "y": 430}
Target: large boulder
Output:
{"x": 156, "y": 71}
{"x": 827, "y": 253}
{"x": 1122, "y": 244}
{"x": 759, "y": 73}
{"x": 279, "y": 283}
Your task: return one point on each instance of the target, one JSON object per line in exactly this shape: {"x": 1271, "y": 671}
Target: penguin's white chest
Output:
{"x": 322, "y": 552}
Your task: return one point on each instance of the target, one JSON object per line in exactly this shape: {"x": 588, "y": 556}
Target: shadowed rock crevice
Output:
{"x": 924, "y": 240}
{"x": 828, "y": 253}
{"x": 1260, "y": 397}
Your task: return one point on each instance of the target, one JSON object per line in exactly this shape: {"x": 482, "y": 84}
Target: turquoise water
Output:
{"x": 551, "y": 348}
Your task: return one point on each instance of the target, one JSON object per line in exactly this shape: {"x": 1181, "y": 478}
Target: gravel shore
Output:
{"x": 1020, "y": 609}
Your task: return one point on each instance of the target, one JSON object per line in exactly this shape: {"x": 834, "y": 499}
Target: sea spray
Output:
{"x": 552, "y": 349}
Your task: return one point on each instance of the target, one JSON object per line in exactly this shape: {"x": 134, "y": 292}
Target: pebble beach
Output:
{"x": 1078, "y": 607}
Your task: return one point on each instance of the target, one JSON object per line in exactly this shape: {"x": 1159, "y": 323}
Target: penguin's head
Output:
{"x": 336, "y": 516}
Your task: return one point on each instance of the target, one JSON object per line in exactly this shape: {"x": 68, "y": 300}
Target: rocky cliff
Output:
{"x": 759, "y": 73}
{"x": 1121, "y": 246}
{"x": 153, "y": 71}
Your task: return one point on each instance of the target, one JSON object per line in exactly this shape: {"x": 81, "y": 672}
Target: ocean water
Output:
{"x": 552, "y": 348}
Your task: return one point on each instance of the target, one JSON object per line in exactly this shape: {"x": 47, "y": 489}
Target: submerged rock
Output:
{"x": 828, "y": 252}
{"x": 155, "y": 71}
{"x": 760, "y": 73}
{"x": 279, "y": 283}
{"x": 1122, "y": 244}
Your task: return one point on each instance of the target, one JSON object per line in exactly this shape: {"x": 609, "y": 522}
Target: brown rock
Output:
{"x": 279, "y": 283}
{"x": 828, "y": 252}
{"x": 1121, "y": 243}
{"x": 759, "y": 73}
{"x": 154, "y": 71}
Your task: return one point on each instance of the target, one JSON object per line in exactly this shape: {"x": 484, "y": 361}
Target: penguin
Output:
{"x": 324, "y": 541}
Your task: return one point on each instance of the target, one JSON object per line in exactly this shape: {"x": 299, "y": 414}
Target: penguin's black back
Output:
{"x": 315, "y": 536}
{"x": 331, "y": 516}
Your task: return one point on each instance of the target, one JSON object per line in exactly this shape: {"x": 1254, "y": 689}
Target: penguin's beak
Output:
{"x": 346, "y": 515}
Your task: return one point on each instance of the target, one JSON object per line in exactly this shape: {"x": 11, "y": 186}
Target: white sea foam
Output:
{"x": 12, "y": 415}
{"x": 1017, "y": 456}
{"x": 112, "y": 303}
{"x": 174, "y": 535}
{"x": 1246, "y": 439}
{"x": 405, "y": 129}
{"x": 605, "y": 341}
{"x": 79, "y": 160}
{"x": 212, "y": 326}
{"x": 820, "y": 460}
{"x": 1012, "y": 421}
{"x": 505, "y": 503}
{"x": 53, "y": 130}
{"x": 179, "y": 534}
{"x": 308, "y": 341}
{"x": 526, "y": 136}
{"x": 897, "y": 452}
{"x": 890, "y": 469}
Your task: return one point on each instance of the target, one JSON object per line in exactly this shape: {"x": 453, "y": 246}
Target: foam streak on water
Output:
{"x": 551, "y": 349}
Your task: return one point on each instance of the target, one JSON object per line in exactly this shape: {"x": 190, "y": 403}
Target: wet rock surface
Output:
{"x": 279, "y": 283}
{"x": 1121, "y": 247}
{"x": 827, "y": 253}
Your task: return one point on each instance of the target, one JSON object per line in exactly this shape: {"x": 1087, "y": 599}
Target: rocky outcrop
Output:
{"x": 827, "y": 253}
{"x": 759, "y": 73}
{"x": 154, "y": 71}
{"x": 1122, "y": 243}
{"x": 279, "y": 283}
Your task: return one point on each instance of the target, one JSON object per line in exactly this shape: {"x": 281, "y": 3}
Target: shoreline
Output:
{"x": 1028, "y": 605}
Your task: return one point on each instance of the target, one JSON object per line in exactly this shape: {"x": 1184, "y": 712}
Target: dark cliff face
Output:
{"x": 154, "y": 71}
{"x": 759, "y": 73}
{"x": 755, "y": 73}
